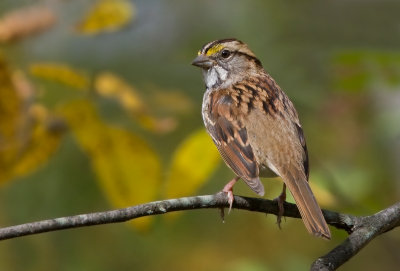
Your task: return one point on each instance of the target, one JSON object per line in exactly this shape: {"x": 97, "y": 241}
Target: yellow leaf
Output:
{"x": 319, "y": 179}
{"x": 112, "y": 86}
{"x": 324, "y": 196}
{"x": 107, "y": 15}
{"x": 10, "y": 104}
{"x": 192, "y": 164}
{"x": 10, "y": 119}
{"x": 60, "y": 73}
{"x": 27, "y": 139}
{"x": 128, "y": 170}
{"x": 44, "y": 140}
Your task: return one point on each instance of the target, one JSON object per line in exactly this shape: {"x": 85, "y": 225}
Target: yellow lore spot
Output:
{"x": 215, "y": 49}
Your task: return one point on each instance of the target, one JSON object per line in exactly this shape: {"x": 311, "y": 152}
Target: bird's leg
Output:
{"x": 281, "y": 199}
{"x": 228, "y": 188}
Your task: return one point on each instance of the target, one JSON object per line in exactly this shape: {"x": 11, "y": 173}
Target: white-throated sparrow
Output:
{"x": 255, "y": 127}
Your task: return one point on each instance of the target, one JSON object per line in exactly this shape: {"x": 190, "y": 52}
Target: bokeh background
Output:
{"x": 100, "y": 108}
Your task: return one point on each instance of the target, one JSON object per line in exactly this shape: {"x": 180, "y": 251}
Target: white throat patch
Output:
{"x": 214, "y": 75}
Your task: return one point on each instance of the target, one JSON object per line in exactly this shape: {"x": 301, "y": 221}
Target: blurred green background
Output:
{"x": 339, "y": 62}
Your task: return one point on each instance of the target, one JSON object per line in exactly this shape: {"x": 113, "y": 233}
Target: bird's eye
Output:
{"x": 225, "y": 53}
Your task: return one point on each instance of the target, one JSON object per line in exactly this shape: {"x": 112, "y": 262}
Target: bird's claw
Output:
{"x": 230, "y": 200}
{"x": 280, "y": 200}
{"x": 228, "y": 189}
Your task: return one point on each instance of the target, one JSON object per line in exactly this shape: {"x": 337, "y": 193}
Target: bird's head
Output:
{"x": 226, "y": 61}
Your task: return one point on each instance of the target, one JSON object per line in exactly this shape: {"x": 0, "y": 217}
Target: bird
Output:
{"x": 256, "y": 127}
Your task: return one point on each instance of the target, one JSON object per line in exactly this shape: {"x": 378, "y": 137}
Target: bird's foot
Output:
{"x": 228, "y": 188}
{"x": 280, "y": 200}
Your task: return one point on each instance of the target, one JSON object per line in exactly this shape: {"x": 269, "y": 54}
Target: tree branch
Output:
{"x": 361, "y": 229}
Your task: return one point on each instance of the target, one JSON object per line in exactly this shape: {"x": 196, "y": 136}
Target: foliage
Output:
{"x": 129, "y": 171}
{"x": 29, "y": 135}
{"x": 60, "y": 73}
{"x": 193, "y": 161}
{"x": 99, "y": 107}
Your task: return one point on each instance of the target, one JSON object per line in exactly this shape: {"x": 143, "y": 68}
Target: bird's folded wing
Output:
{"x": 231, "y": 138}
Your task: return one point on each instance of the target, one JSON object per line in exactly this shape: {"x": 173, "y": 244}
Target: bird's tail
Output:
{"x": 309, "y": 209}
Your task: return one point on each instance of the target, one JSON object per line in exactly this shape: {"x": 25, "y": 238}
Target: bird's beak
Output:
{"x": 202, "y": 61}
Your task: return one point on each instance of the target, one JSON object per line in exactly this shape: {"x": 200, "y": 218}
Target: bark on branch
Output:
{"x": 364, "y": 229}
{"x": 361, "y": 229}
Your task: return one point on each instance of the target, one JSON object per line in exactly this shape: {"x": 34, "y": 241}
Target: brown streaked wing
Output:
{"x": 304, "y": 145}
{"x": 231, "y": 139}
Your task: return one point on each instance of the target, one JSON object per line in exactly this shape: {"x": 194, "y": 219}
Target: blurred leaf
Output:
{"x": 107, "y": 16}
{"x": 157, "y": 125}
{"x": 192, "y": 164}
{"x": 27, "y": 140}
{"x": 128, "y": 170}
{"x": 10, "y": 104}
{"x": 60, "y": 73}
{"x": 112, "y": 86}
{"x": 44, "y": 140}
{"x": 172, "y": 101}
{"x": 324, "y": 197}
{"x": 10, "y": 109}
{"x": 24, "y": 22}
